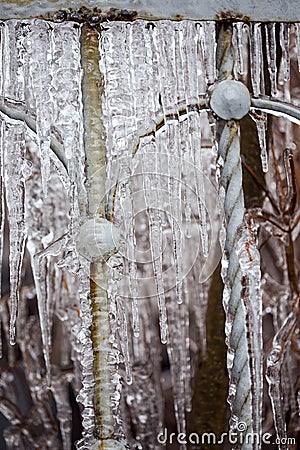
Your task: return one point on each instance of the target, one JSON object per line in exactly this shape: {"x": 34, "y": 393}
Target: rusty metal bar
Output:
{"x": 255, "y": 10}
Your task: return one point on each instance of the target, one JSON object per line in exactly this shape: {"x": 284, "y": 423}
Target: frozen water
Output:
{"x": 284, "y": 70}
{"x": 158, "y": 112}
{"x": 271, "y": 56}
{"x": 14, "y": 155}
{"x": 155, "y": 239}
{"x": 297, "y": 32}
{"x": 274, "y": 373}
{"x": 261, "y": 124}
{"x": 256, "y": 56}
{"x": 238, "y": 42}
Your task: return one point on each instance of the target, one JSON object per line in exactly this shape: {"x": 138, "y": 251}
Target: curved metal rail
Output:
{"x": 277, "y": 108}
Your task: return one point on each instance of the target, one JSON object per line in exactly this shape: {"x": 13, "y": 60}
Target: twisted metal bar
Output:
{"x": 240, "y": 398}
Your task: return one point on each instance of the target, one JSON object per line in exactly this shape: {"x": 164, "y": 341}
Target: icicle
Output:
{"x": 238, "y": 31}
{"x": 66, "y": 67}
{"x": 167, "y": 145}
{"x": 273, "y": 375}
{"x": 41, "y": 217}
{"x": 256, "y": 57}
{"x": 188, "y": 56}
{"x": 212, "y": 122}
{"x": 66, "y": 93}
{"x": 40, "y": 269}
{"x": 2, "y": 62}
{"x": 142, "y": 82}
{"x": 207, "y": 32}
{"x": 155, "y": 232}
{"x": 14, "y": 154}
{"x": 1, "y": 343}
{"x": 187, "y": 194}
{"x": 60, "y": 389}
{"x": 186, "y": 355}
{"x": 297, "y": 33}
{"x": 137, "y": 83}
{"x": 119, "y": 324}
{"x": 173, "y": 166}
{"x": 166, "y": 68}
{"x": 249, "y": 260}
{"x": 156, "y": 251}
{"x": 123, "y": 331}
{"x": 195, "y": 136}
{"x": 175, "y": 351}
{"x": 284, "y": 70}
{"x": 12, "y": 79}
{"x": 134, "y": 290}
{"x": 40, "y": 276}
{"x": 199, "y": 309}
{"x": 271, "y": 56}
{"x": 2, "y": 197}
{"x": 119, "y": 171}
{"x": 38, "y": 48}
{"x": 187, "y": 65}
{"x": 86, "y": 394}
{"x": 179, "y": 356}
{"x": 128, "y": 237}
{"x": 144, "y": 396}
{"x": 260, "y": 119}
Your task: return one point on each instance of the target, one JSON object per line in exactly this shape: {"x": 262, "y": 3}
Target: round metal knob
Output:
{"x": 230, "y": 100}
{"x": 97, "y": 238}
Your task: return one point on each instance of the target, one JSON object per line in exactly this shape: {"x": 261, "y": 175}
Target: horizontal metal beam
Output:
{"x": 250, "y": 10}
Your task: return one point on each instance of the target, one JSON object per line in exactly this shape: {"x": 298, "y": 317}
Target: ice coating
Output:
{"x": 155, "y": 239}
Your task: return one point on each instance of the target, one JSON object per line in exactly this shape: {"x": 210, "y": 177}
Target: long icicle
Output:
{"x": 271, "y": 56}
{"x": 2, "y": 204}
{"x": 256, "y": 59}
{"x": 2, "y": 213}
{"x": 14, "y": 155}
{"x": 273, "y": 374}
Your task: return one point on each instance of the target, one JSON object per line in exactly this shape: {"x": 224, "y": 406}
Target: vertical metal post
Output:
{"x": 231, "y": 185}
{"x": 95, "y": 150}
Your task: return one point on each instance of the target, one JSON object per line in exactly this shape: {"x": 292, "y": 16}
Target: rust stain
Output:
{"x": 178, "y": 17}
{"x": 20, "y": 2}
{"x": 93, "y": 16}
{"x": 232, "y": 15}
